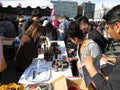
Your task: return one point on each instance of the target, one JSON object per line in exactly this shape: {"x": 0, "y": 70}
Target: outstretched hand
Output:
{"x": 104, "y": 58}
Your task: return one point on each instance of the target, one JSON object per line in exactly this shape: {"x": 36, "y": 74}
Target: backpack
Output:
{"x": 99, "y": 39}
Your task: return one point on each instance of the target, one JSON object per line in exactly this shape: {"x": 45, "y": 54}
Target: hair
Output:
{"x": 74, "y": 30}
{"x": 77, "y": 16}
{"x": 37, "y": 13}
{"x": 34, "y": 29}
{"x": 1, "y": 18}
{"x": 83, "y": 20}
{"x": 113, "y": 15}
{"x": 50, "y": 31}
{"x": 48, "y": 27}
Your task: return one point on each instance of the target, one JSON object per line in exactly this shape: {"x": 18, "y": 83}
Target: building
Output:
{"x": 65, "y": 8}
{"x": 80, "y": 9}
{"x": 100, "y": 13}
{"x": 88, "y": 9}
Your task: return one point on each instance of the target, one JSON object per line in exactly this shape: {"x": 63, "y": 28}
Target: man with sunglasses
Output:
{"x": 35, "y": 17}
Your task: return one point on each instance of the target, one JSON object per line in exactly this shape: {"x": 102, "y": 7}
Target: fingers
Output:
{"x": 69, "y": 59}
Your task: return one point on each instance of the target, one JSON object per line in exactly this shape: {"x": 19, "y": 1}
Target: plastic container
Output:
{"x": 38, "y": 66}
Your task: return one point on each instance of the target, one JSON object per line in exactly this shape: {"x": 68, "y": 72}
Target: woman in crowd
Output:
{"x": 113, "y": 83}
{"x": 92, "y": 33}
{"x": 85, "y": 47}
{"x": 49, "y": 30}
{"x": 28, "y": 48}
{"x": 3, "y": 64}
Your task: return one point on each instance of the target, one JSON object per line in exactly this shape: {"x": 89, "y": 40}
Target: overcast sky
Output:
{"x": 34, "y": 3}
{"x": 107, "y": 3}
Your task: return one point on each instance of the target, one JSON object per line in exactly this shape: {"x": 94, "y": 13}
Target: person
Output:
{"x": 49, "y": 30}
{"x": 36, "y": 15}
{"x": 92, "y": 33}
{"x": 85, "y": 47}
{"x": 71, "y": 51}
{"x": 7, "y": 32}
{"x": 62, "y": 29}
{"x": 55, "y": 23}
{"x": 7, "y": 29}
{"x": 113, "y": 83}
{"x": 3, "y": 64}
{"x": 28, "y": 48}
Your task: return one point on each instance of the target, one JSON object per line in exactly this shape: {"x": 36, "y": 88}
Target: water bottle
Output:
{"x": 38, "y": 66}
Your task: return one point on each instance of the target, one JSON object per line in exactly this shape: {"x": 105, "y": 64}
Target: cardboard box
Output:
{"x": 59, "y": 83}
{"x": 76, "y": 84}
{"x": 63, "y": 83}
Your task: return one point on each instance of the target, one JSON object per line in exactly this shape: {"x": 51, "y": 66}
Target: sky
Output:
{"x": 106, "y": 3}
{"x": 44, "y": 3}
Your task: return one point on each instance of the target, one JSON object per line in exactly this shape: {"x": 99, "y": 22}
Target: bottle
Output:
{"x": 51, "y": 54}
{"x": 56, "y": 66}
{"x": 45, "y": 52}
{"x": 38, "y": 67}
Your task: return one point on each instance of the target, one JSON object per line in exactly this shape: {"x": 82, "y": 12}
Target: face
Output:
{"x": 114, "y": 31}
{"x": 76, "y": 41}
{"x": 36, "y": 18}
{"x": 84, "y": 27}
{"x": 73, "y": 41}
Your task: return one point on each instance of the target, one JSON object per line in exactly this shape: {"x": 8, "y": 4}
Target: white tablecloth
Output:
{"x": 67, "y": 72}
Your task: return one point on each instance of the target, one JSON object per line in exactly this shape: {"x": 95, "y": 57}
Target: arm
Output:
{"x": 30, "y": 50}
{"x": 72, "y": 59}
{"x": 108, "y": 59}
{"x": 98, "y": 79}
{"x": 62, "y": 28}
{"x": 89, "y": 63}
{"x": 95, "y": 52}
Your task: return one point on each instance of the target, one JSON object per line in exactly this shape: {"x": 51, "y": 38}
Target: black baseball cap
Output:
{"x": 37, "y": 13}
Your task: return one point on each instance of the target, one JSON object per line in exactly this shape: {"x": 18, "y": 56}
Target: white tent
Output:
{"x": 25, "y": 3}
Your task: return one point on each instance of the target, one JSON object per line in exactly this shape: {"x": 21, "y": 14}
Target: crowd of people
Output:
{"x": 87, "y": 44}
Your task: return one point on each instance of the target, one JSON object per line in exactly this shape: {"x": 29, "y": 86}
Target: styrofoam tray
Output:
{"x": 44, "y": 75}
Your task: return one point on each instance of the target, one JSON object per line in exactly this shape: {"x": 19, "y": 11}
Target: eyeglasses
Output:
{"x": 109, "y": 26}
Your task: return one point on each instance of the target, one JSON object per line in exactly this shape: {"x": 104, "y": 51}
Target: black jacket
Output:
{"x": 98, "y": 38}
{"x": 113, "y": 82}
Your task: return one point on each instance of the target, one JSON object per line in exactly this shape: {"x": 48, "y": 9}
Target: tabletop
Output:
{"x": 50, "y": 74}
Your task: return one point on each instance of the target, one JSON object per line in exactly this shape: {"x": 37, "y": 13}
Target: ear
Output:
{"x": 117, "y": 24}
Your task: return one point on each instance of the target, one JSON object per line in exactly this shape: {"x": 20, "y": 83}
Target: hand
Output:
{"x": 72, "y": 59}
{"x": 104, "y": 58}
{"x": 108, "y": 59}
{"x": 71, "y": 50}
{"x": 61, "y": 31}
{"x": 69, "y": 59}
{"x": 79, "y": 65}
